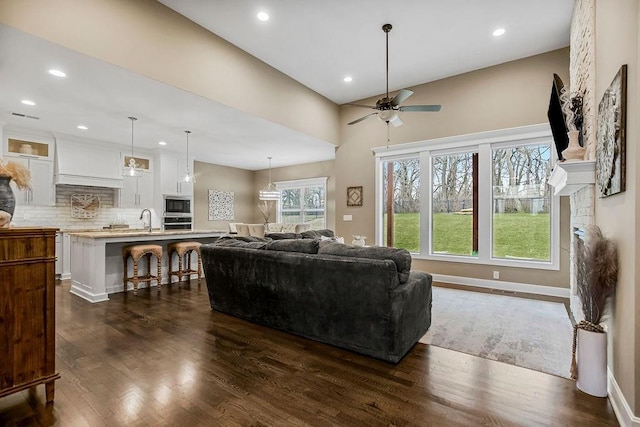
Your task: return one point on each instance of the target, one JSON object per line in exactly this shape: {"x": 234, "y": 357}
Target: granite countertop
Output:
{"x": 139, "y": 232}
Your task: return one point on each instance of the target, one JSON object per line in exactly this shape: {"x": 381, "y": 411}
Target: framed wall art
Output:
{"x": 611, "y": 137}
{"x": 354, "y": 196}
{"x": 221, "y": 205}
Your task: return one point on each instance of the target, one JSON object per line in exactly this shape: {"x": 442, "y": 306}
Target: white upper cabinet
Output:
{"x": 172, "y": 169}
{"x": 35, "y": 152}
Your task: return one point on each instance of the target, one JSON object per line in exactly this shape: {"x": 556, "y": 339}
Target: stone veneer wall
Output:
{"x": 582, "y": 68}
{"x": 60, "y": 215}
{"x": 582, "y": 75}
{"x": 582, "y": 215}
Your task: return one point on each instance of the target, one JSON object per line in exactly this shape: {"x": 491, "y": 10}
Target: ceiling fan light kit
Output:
{"x": 388, "y": 108}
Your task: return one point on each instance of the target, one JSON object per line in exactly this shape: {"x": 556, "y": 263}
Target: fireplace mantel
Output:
{"x": 570, "y": 176}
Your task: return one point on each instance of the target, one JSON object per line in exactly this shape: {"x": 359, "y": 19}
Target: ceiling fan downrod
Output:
{"x": 386, "y": 28}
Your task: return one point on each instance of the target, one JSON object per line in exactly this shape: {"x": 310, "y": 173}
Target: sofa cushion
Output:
{"x": 241, "y": 243}
{"x": 307, "y": 246}
{"x": 282, "y": 236}
{"x": 315, "y": 234}
{"x": 401, "y": 257}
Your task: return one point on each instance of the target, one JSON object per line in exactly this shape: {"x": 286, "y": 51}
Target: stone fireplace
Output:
{"x": 577, "y": 180}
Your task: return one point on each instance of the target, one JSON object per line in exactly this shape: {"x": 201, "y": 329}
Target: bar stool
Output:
{"x": 182, "y": 249}
{"x": 136, "y": 252}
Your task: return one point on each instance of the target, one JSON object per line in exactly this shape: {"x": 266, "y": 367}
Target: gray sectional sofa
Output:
{"x": 362, "y": 299}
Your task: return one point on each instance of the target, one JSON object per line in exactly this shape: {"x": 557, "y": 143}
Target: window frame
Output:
{"x": 483, "y": 143}
{"x": 302, "y": 184}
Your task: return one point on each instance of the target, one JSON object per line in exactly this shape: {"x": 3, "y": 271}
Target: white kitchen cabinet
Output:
{"x": 42, "y": 192}
{"x": 172, "y": 169}
{"x": 19, "y": 144}
{"x": 137, "y": 192}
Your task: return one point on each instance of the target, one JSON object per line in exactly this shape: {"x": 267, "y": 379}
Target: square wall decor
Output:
{"x": 221, "y": 205}
{"x": 354, "y": 196}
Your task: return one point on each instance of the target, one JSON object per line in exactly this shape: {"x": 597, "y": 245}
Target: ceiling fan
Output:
{"x": 388, "y": 108}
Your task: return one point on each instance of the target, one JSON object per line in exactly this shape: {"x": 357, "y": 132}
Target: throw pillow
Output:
{"x": 401, "y": 257}
{"x": 307, "y": 246}
{"x": 315, "y": 234}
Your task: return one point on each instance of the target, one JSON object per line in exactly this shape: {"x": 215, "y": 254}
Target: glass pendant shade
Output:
{"x": 131, "y": 170}
{"x": 270, "y": 192}
{"x": 387, "y": 115}
{"x": 188, "y": 176}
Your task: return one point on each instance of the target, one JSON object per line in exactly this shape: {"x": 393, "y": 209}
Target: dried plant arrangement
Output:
{"x": 17, "y": 172}
{"x": 265, "y": 207}
{"x": 596, "y": 273}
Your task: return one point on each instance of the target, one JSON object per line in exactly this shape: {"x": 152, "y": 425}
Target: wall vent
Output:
{"x": 26, "y": 116}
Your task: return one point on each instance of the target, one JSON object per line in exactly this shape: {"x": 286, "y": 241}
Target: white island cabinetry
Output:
{"x": 96, "y": 258}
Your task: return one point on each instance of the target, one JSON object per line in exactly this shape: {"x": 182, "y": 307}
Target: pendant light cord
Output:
{"x": 133, "y": 119}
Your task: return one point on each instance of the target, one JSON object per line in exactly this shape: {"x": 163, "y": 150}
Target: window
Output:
{"x": 452, "y": 204}
{"x": 521, "y": 202}
{"x": 303, "y": 201}
{"x": 401, "y": 203}
{"x": 484, "y": 198}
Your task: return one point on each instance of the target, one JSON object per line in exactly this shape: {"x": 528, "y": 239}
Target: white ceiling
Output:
{"x": 316, "y": 43}
{"x": 101, "y": 96}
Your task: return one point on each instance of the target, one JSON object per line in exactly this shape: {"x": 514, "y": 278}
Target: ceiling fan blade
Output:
{"x": 401, "y": 96}
{"x": 420, "y": 108}
{"x": 362, "y": 118}
{"x": 396, "y": 122}
{"x": 372, "y": 107}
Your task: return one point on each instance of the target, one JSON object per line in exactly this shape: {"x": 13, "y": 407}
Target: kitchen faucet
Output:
{"x": 142, "y": 218}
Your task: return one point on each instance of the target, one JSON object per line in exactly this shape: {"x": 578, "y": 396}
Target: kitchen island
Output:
{"x": 96, "y": 257}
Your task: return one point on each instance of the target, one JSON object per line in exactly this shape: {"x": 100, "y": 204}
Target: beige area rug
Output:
{"x": 523, "y": 332}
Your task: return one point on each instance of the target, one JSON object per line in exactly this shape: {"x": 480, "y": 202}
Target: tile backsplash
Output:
{"x": 60, "y": 215}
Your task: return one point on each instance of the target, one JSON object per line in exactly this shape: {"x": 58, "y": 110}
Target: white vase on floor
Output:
{"x": 591, "y": 359}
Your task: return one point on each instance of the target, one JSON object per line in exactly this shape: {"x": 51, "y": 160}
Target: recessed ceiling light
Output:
{"x": 82, "y": 127}
{"x": 499, "y": 32}
{"x": 57, "y": 73}
{"x": 348, "y": 79}
{"x": 28, "y": 102}
{"x": 263, "y": 16}
{"x": 162, "y": 143}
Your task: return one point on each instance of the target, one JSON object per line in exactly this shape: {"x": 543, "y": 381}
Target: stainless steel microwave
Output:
{"x": 177, "y": 205}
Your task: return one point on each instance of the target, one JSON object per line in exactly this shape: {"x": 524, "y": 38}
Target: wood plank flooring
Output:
{"x": 167, "y": 359}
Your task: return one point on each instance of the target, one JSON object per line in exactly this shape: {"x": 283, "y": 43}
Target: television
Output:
{"x": 556, "y": 117}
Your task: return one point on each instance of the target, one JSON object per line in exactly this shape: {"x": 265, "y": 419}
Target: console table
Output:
{"x": 27, "y": 309}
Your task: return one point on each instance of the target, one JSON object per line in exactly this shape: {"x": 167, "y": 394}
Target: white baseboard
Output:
{"x": 503, "y": 286}
{"x": 623, "y": 412}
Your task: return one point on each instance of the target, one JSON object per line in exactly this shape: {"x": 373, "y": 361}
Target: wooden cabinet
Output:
{"x": 27, "y": 309}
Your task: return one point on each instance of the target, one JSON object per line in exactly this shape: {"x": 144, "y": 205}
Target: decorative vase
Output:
{"x": 574, "y": 151}
{"x": 358, "y": 240}
{"x": 7, "y": 202}
{"x": 592, "y": 362}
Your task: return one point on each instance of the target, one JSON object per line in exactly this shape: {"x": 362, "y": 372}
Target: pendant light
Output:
{"x": 188, "y": 176}
{"x": 131, "y": 169}
{"x": 270, "y": 192}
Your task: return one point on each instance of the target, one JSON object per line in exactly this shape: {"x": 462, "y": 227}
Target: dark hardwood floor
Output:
{"x": 167, "y": 359}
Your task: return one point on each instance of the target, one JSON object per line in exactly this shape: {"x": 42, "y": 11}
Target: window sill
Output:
{"x": 519, "y": 263}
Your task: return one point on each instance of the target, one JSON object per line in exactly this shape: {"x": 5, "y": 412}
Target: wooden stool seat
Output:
{"x": 183, "y": 249}
{"x": 136, "y": 252}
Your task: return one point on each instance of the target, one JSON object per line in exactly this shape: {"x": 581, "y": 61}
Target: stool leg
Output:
{"x": 125, "y": 279}
{"x": 179, "y": 269}
{"x": 170, "y": 273}
{"x": 188, "y": 268}
{"x": 135, "y": 276}
{"x": 159, "y": 278}
{"x": 199, "y": 267}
